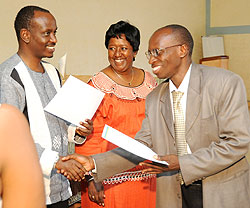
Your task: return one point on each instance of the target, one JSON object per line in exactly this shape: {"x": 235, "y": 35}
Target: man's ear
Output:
{"x": 25, "y": 35}
{"x": 184, "y": 50}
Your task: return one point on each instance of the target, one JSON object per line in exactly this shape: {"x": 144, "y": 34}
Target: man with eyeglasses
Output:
{"x": 207, "y": 163}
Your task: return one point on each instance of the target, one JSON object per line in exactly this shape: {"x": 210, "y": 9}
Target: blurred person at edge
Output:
{"x": 21, "y": 179}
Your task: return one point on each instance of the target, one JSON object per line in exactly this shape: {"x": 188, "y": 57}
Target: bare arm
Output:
{"x": 21, "y": 175}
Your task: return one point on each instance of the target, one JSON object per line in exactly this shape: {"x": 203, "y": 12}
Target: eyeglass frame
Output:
{"x": 156, "y": 52}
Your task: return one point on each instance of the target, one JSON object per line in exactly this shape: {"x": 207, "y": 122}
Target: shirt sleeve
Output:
{"x": 73, "y": 137}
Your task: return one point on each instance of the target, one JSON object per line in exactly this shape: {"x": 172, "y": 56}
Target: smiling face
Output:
{"x": 120, "y": 54}
{"x": 42, "y": 35}
{"x": 168, "y": 63}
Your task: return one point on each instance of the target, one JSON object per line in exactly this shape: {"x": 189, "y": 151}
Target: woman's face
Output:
{"x": 120, "y": 54}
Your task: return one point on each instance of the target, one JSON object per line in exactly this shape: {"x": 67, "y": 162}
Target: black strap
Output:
{"x": 16, "y": 77}
{"x": 59, "y": 76}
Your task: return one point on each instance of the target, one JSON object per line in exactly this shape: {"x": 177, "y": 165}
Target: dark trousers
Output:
{"x": 192, "y": 195}
{"x": 61, "y": 204}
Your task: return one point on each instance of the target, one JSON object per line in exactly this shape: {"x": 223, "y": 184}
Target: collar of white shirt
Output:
{"x": 182, "y": 88}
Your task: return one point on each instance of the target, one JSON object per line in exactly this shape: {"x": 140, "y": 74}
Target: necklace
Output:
{"x": 129, "y": 83}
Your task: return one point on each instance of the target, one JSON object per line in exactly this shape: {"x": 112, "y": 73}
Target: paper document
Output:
{"x": 129, "y": 144}
{"x": 75, "y": 101}
{"x": 212, "y": 46}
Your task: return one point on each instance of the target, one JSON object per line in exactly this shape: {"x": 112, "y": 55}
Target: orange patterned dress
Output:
{"x": 122, "y": 108}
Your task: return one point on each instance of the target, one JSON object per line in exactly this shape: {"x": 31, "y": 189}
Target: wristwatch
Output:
{"x": 89, "y": 178}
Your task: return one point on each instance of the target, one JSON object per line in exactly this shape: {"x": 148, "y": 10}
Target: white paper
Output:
{"x": 212, "y": 46}
{"x": 62, "y": 65}
{"x": 129, "y": 144}
{"x": 75, "y": 101}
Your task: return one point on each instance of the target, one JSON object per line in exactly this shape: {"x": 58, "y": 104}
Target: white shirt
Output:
{"x": 182, "y": 88}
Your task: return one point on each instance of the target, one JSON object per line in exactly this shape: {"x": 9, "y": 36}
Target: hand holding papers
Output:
{"x": 75, "y": 101}
{"x": 129, "y": 144}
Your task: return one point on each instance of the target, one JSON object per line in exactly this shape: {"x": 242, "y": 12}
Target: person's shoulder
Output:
{"x": 12, "y": 123}
{"x": 10, "y": 112}
{"x": 210, "y": 70}
{"x": 11, "y": 61}
{"x": 101, "y": 80}
{"x": 9, "y": 64}
{"x": 215, "y": 73}
{"x": 147, "y": 73}
{"x": 6, "y": 108}
{"x": 159, "y": 90}
{"x": 149, "y": 79}
{"x": 214, "y": 76}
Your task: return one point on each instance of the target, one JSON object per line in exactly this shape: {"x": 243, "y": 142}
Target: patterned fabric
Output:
{"x": 102, "y": 82}
{"x": 122, "y": 108}
{"x": 179, "y": 125}
{"x": 128, "y": 176}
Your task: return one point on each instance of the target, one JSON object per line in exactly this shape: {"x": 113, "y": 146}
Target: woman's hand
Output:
{"x": 96, "y": 192}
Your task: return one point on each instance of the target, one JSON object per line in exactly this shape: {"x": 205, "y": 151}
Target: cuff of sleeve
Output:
{"x": 73, "y": 137}
{"x": 71, "y": 132}
{"x": 47, "y": 161}
{"x": 94, "y": 170}
{"x": 79, "y": 139}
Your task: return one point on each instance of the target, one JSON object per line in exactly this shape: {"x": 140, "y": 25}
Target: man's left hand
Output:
{"x": 156, "y": 168}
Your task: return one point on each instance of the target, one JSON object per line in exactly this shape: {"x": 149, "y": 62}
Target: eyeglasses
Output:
{"x": 156, "y": 52}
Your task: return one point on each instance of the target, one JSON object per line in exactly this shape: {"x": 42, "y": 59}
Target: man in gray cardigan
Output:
{"x": 215, "y": 170}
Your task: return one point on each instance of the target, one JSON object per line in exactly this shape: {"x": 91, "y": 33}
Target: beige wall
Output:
{"x": 237, "y": 47}
{"x": 82, "y": 25}
{"x": 226, "y": 13}
{"x": 229, "y": 13}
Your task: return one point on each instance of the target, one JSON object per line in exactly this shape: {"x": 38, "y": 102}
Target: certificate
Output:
{"x": 129, "y": 144}
{"x": 75, "y": 101}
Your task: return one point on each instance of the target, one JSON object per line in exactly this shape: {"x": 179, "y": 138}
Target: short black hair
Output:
{"x": 24, "y": 17}
{"x": 131, "y": 33}
{"x": 183, "y": 35}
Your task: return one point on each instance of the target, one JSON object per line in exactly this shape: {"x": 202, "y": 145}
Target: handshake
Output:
{"x": 75, "y": 166}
